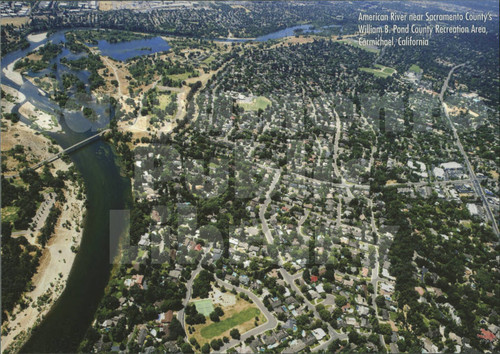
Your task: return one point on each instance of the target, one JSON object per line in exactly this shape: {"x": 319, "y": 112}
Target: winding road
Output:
{"x": 189, "y": 286}
{"x": 271, "y": 323}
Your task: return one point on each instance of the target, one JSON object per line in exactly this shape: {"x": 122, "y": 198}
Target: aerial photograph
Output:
{"x": 250, "y": 176}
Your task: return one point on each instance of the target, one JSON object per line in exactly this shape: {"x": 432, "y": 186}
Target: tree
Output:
{"x": 176, "y": 329}
{"x": 218, "y": 310}
{"x": 193, "y": 342}
{"x": 340, "y": 301}
{"x": 215, "y": 344}
{"x": 205, "y": 349}
{"x": 235, "y": 334}
{"x": 281, "y": 316}
{"x": 210, "y": 233}
{"x": 356, "y": 338}
{"x": 201, "y": 285}
{"x": 380, "y": 301}
{"x": 325, "y": 315}
{"x": 385, "y": 329}
{"x": 186, "y": 348}
{"x": 134, "y": 316}
{"x": 306, "y": 276}
{"x": 214, "y": 317}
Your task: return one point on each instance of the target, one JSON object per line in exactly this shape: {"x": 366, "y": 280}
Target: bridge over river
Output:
{"x": 65, "y": 151}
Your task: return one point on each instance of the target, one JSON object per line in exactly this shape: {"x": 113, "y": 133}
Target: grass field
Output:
{"x": 241, "y": 315}
{"x": 380, "y": 71}
{"x": 205, "y": 307}
{"x": 217, "y": 328}
{"x": 356, "y": 44}
{"x": 385, "y": 69}
{"x": 15, "y": 21}
{"x": 415, "y": 68}
{"x": 209, "y": 59}
{"x": 259, "y": 102}
{"x": 181, "y": 77}
{"x": 9, "y": 214}
{"x": 164, "y": 100}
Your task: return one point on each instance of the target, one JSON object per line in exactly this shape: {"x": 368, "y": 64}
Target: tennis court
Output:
{"x": 205, "y": 307}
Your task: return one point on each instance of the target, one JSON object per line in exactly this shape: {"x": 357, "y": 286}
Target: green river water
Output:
{"x": 64, "y": 326}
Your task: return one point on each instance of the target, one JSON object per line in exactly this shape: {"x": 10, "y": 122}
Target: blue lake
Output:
{"x": 126, "y": 50}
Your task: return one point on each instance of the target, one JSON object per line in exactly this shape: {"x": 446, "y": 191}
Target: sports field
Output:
{"x": 205, "y": 307}
{"x": 217, "y": 328}
{"x": 259, "y": 102}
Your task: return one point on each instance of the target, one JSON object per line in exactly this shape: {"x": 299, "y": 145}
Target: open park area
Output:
{"x": 241, "y": 315}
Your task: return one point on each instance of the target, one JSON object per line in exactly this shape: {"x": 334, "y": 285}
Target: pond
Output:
{"x": 126, "y": 50}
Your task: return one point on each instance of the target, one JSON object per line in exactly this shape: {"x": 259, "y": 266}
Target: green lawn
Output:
{"x": 217, "y": 328}
{"x": 381, "y": 71}
{"x": 209, "y": 59}
{"x": 9, "y": 214}
{"x": 356, "y": 44}
{"x": 205, "y": 307}
{"x": 375, "y": 72}
{"x": 415, "y": 68}
{"x": 164, "y": 100}
{"x": 181, "y": 77}
{"x": 259, "y": 102}
{"x": 386, "y": 69}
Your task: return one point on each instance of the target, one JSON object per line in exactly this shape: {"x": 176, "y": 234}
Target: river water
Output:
{"x": 66, "y": 323}
{"x": 64, "y": 326}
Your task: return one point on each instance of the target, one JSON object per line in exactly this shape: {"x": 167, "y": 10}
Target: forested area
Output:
{"x": 19, "y": 257}
{"x": 442, "y": 263}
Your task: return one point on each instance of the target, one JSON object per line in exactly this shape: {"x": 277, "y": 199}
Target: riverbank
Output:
{"x": 43, "y": 120}
{"x": 12, "y": 98}
{"x": 58, "y": 255}
{"x": 12, "y": 75}
{"x": 35, "y": 38}
{"x": 50, "y": 279}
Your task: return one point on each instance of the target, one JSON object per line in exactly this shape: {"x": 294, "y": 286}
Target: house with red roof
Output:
{"x": 487, "y": 335}
{"x": 314, "y": 278}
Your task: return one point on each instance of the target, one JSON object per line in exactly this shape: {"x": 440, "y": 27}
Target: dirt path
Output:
{"x": 123, "y": 95}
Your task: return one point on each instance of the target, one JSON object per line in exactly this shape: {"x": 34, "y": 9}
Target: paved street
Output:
{"x": 189, "y": 285}
{"x": 472, "y": 175}
{"x": 270, "y": 324}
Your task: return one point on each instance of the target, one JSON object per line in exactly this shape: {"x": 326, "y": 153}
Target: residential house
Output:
{"x": 319, "y": 333}
{"x": 244, "y": 279}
